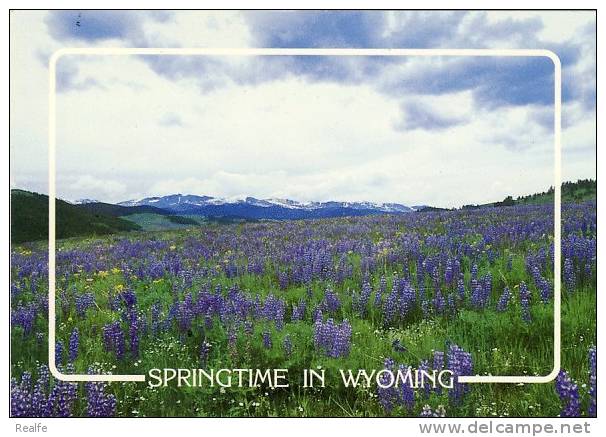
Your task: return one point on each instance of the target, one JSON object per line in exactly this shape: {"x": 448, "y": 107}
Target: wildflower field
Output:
{"x": 469, "y": 290}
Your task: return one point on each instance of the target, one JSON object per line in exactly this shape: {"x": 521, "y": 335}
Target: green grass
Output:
{"x": 500, "y": 343}
{"x": 157, "y": 222}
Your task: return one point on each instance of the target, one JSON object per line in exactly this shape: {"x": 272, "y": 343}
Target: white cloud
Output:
{"x": 136, "y": 133}
{"x": 557, "y": 26}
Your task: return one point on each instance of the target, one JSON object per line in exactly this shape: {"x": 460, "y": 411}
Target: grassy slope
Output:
{"x": 157, "y": 222}
{"x": 119, "y": 210}
{"x": 29, "y": 219}
{"x": 580, "y": 191}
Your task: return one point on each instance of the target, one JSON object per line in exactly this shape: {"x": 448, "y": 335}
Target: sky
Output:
{"x": 434, "y": 131}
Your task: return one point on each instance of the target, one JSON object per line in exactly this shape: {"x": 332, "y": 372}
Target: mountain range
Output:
{"x": 253, "y": 208}
{"x": 87, "y": 217}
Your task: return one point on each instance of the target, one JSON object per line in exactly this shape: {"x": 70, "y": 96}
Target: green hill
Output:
{"x": 119, "y": 210}
{"x": 147, "y": 217}
{"x": 159, "y": 222}
{"x": 29, "y": 219}
{"x": 579, "y": 191}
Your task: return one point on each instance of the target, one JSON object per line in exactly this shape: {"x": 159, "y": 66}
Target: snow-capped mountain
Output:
{"x": 84, "y": 201}
{"x": 250, "y": 207}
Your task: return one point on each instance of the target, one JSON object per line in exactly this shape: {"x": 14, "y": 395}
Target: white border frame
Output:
{"x": 307, "y": 52}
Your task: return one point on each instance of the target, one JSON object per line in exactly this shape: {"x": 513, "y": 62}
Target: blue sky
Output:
{"x": 444, "y": 131}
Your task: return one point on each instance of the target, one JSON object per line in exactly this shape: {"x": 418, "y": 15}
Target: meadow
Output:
{"x": 468, "y": 290}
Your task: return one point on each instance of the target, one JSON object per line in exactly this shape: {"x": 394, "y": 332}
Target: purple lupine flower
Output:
{"x": 424, "y": 366}
{"x": 274, "y": 309}
{"x": 545, "y": 290}
{"x": 593, "y": 382}
{"x": 267, "y": 343}
{"x": 38, "y": 399}
{"x": 331, "y": 338}
{"x": 569, "y": 275}
{"x": 459, "y": 363}
{"x": 74, "y": 341}
{"x": 477, "y": 294}
{"x": 452, "y": 303}
{"x": 536, "y": 275}
{"x": 525, "y": 302}
{"x": 129, "y": 298}
{"x": 362, "y": 302}
{"x": 98, "y": 402}
{"x": 588, "y": 270}
{"x": 568, "y": 392}
{"x": 487, "y": 286}
{"x": 406, "y": 393}
{"x": 421, "y": 288}
{"x": 84, "y": 302}
{"x": 287, "y": 344}
{"x": 24, "y": 316}
{"x": 438, "y": 360}
{"x": 283, "y": 280}
{"x": 248, "y": 327}
{"x": 474, "y": 271}
{"x": 448, "y": 273}
{"x": 298, "y": 310}
{"x": 59, "y": 353}
{"x": 113, "y": 339}
{"x": 390, "y": 306}
{"x": 390, "y": 394}
{"x": 439, "y": 303}
{"x": 317, "y": 314}
{"x": 184, "y": 313}
{"x": 62, "y": 397}
{"x": 461, "y": 289}
{"x": 134, "y": 328}
{"x": 20, "y": 400}
{"x": 503, "y": 302}
{"x": 331, "y": 301}
{"x": 380, "y": 291}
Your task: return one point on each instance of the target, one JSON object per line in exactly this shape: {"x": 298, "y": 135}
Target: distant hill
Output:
{"x": 430, "y": 209}
{"x": 149, "y": 218}
{"x": 29, "y": 219}
{"x": 120, "y": 210}
{"x": 579, "y": 191}
{"x": 160, "y": 222}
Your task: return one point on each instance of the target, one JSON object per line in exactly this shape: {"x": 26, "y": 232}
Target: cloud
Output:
{"x": 310, "y": 128}
{"x": 91, "y": 25}
{"x": 100, "y": 25}
{"x": 315, "y": 28}
{"x": 171, "y": 120}
{"x": 421, "y": 116}
{"x": 495, "y": 82}
{"x": 73, "y": 187}
{"x": 69, "y": 79}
